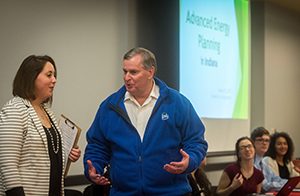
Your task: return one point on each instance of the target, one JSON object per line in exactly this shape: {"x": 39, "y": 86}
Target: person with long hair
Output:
{"x": 241, "y": 177}
{"x": 201, "y": 186}
{"x": 280, "y": 155}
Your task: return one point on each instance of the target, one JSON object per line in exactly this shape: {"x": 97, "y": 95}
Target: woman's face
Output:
{"x": 45, "y": 82}
{"x": 281, "y": 146}
{"x": 246, "y": 150}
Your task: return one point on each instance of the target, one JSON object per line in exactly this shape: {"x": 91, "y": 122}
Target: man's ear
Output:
{"x": 152, "y": 72}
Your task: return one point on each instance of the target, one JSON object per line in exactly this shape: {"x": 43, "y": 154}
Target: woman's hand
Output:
{"x": 75, "y": 154}
{"x": 237, "y": 181}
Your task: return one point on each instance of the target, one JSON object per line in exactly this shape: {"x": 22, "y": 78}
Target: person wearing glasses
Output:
{"x": 280, "y": 155}
{"x": 261, "y": 138}
{"x": 241, "y": 177}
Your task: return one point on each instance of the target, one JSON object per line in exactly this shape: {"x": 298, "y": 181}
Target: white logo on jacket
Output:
{"x": 164, "y": 116}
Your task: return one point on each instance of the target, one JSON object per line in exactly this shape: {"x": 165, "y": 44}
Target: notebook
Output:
{"x": 288, "y": 186}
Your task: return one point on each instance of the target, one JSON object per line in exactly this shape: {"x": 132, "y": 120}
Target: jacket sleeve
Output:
{"x": 293, "y": 172}
{"x": 97, "y": 149}
{"x": 272, "y": 165}
{"x": 272, "y": 182}
{"x": 193, "y": 130}
{"x": 12, "y": 130}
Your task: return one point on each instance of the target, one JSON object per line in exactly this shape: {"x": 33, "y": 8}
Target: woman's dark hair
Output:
{"x": 237, "y": 146}
{"x": 272, "y": 150}
{"x": 200, "y": 183}
{"x": 24, "y": 82}
{"x": 203, "y": 182}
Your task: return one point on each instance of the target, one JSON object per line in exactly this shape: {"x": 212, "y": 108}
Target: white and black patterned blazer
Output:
{"x": 24, "y": 158}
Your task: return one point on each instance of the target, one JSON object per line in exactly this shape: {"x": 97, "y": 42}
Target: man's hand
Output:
{"x": 178, "y": 167}
{"x": 96, "y": 178}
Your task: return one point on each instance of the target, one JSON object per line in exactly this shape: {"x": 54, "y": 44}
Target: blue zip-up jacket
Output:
{"x": 136, "y": 167}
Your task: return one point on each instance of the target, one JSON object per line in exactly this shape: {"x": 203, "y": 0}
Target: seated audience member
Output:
{"x": 199, "y": 182}
{"x": 296, "y": 163}
{"x": 280, "y": 155}
{"x": 241, "y": 178}
{"x": 261, "y": 138}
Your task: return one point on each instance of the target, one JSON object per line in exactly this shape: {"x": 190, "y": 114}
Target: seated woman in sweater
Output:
{"x": 280, "y": 155}
{"x": 241, "y": 178}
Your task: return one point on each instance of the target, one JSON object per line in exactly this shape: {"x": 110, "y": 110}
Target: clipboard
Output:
{"x": 70, "y": 133}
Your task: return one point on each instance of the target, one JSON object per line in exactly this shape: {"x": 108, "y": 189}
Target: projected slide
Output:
{"x": 214, "y": 57}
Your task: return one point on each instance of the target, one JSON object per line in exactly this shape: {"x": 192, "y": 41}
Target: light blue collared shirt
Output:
{"x": 272, "y": 182}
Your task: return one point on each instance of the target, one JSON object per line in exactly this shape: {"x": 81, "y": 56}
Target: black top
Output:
{"x": 283, "y": 171}
{"x": 55, "y": 155}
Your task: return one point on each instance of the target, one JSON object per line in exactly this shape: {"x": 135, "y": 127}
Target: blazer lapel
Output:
{"x": 36, "y": 121}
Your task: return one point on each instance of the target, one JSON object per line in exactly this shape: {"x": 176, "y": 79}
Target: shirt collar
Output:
{"x": 154, "y": 93}
{"x": 257, "y": 158}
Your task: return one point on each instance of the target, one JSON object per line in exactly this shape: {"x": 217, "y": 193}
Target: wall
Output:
{"x": 282, "y": 72}
{"x": 86, "y": 39}
{"x": 275, "y": 74}
{"x": 275, "y": 69}
{"x": 257, "y": 65}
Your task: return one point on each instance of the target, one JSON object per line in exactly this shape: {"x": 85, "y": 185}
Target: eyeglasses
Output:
{"x": 249, "y": 146}
{"x": 261, "y": 140}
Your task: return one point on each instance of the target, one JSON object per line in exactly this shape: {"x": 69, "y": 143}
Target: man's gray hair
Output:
{"x": 147, "y": 56}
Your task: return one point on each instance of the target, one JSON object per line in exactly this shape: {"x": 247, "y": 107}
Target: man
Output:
{"x": 148, "y": 133}
{"x": 261, "y": 138}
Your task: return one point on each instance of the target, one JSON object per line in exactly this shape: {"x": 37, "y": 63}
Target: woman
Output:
{"x": 31, "y": 146}
{"x": 241, "y": 178}
{"x": 199, "y": 182}
{"x": 280, "y": 155}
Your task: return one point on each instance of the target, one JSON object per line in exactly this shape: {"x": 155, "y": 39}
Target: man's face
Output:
{"x": 137, "y": 79}
{"x": 262, "y": 144}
